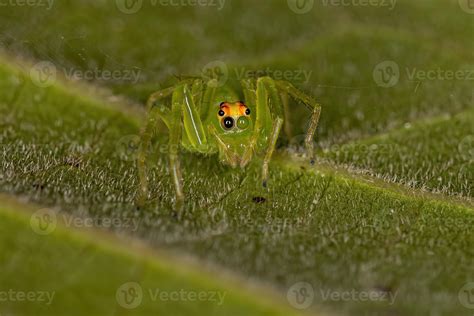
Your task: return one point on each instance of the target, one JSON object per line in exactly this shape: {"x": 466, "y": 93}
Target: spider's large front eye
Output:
{"x": 228, "y": 123}
{"x": 243, "y": 122}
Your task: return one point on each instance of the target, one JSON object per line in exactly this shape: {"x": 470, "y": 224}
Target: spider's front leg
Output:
{"x": 185, "y": 115}
{"x": 266, "y": 96}
{"x": 287, "y": 87}
{"x": 174, "y": 144}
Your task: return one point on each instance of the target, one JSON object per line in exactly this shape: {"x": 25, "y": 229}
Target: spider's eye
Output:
{"x": 243, "y": 122}
{"x": 221, "y": 113}
{"x": 247, "y": 112}
{"x": 228, "y": 123}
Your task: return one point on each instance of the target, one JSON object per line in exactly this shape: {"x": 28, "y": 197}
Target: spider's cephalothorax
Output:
{"x": 235, "y": 130}
{"x": 206, "y": 118}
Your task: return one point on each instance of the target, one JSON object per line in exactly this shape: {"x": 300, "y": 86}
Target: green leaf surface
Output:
{"x": 386, "y": 211}
{"x": 59, "y": 271}
{"x": 310, "y": 225}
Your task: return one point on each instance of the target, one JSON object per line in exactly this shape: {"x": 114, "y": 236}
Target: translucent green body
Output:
{"x": 208, "y": 118}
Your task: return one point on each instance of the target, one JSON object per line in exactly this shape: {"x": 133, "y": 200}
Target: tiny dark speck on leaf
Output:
{"x": 258, "y": 199}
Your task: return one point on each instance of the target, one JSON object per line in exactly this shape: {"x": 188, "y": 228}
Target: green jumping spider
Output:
{"x": 207, "y": 118}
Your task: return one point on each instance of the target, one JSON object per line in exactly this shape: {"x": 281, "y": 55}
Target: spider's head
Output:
{"x": 234, "y": 117}
{"x": 235, "y": 129}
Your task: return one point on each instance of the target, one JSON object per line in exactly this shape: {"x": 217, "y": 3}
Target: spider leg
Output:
{"x": 267, "y": 95}
{"x": 313, "y": 124}
{"x": 230, "y": 156}
{"x": 154, "y": 112}
{"x": 192, "y": 120}
{"x": 197, "y": 89}
{"x": 249, "y": 89}
{"x": 184, "y": 114}
{"x": 174, "y": 143}
{"x": 286, "y": 110}
{"x": 182, "y": 106}
{"x": 208, "y": 97}
{"x": 264, "y": 95}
